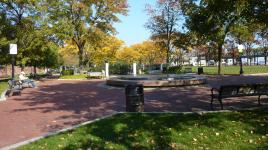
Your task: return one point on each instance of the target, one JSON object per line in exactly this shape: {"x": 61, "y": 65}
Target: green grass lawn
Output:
{"x": 82, "y": 76}
{"x": 3, "y": 85}
{"x": 233, "y": 70}
{"x": 223, "y": 131}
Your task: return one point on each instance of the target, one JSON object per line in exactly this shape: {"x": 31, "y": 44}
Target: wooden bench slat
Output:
{"x": 227, "y": 91}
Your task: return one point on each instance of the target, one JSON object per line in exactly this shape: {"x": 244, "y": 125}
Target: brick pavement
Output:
{"x": 55, "y": 105}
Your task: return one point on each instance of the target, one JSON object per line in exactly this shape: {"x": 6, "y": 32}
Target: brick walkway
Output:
{"x": 58, "y": 104}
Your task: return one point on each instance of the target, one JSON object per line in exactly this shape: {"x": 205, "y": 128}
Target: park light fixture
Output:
{"x": 240, "y": 50}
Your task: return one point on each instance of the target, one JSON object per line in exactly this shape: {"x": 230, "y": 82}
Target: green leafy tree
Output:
{"x": 78, "y": 19}
{"x": 214, "y": 19}
{"x": 30, "y": 31}
{"x": 5, "y": 30}
{"x": 245, "y": 34}
{"x": 262, "y": 40}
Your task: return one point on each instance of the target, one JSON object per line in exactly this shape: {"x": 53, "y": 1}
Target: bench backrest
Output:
{"x": 95, "y": 73}
{"x": 262, "y": 89}
{"x": 249, "y": 89}
{"x": 229, "y": 90}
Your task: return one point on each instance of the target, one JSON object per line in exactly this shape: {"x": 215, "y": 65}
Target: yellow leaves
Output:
{"x": 69, "y": 53}
{"x": 150, "y": 52}
{"x": 107, "y": 50}
{"x": 128, "y": 55}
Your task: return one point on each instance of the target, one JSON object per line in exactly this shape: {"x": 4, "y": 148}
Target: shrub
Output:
{"x": 174, "y": 69}
{"x": 67, "y": 72}
{"x": 95, "y": 69}
{"x": 121, "y": 69}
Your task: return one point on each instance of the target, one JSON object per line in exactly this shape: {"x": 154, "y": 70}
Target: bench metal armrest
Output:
{"x": 214, "y": 92}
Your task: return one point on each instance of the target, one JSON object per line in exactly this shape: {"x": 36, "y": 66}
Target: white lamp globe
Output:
{"x": 240, "y": 48}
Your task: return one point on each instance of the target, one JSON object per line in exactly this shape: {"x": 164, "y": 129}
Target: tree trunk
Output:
{"x": 219, "y": 58}
{"x": 265, "y": 58}
{"x": 80, "y": 59}
{"x": 80, "y": 55}
{"x": 34, "y": 69}
{"x": 167, "y": 60}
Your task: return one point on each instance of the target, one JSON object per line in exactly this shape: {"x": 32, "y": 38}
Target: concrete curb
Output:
{"x": 3, "y": 96}
{"x": 13, "y": 146}
{"x": 71, "y": 79}
{"x": 190, "y": 112}
{"x": 79, "y": 79}
{"x": 232, "y": 109}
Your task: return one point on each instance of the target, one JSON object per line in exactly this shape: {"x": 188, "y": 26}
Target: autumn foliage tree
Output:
{"x": 150, "y": 52}
{"x": 78, "y": 19}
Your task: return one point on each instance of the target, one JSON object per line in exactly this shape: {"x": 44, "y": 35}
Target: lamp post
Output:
{"x": 13, "y": 51}
{"x": 240, "y": 50}
{"x": 134, "y": 69}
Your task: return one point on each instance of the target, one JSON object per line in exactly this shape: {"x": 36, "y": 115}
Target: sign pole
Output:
{"x": 13, "y": 67}
{"x": 13, "y": 51}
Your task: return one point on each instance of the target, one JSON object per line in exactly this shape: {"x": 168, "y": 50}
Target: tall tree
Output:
{"x": 245, "y": 34}
{"x": 263, "y": 42}
{"x": 5, "y": 30}
{"x": 163, "y": 23}
{"x": 214, "y": 19}
{"x": 78, "y": 19}
{"x": 232, "y": 51}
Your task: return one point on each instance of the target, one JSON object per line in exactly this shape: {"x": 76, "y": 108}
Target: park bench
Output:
{"x": 15, "y": 87}
{"x": 95, "y": 74}
{"x": 227, "y": 91}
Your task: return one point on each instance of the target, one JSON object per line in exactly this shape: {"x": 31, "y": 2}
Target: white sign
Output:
{"x": 13, "y": 49}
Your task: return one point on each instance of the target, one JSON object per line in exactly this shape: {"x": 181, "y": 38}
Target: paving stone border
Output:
{"x": 71, "y": 79}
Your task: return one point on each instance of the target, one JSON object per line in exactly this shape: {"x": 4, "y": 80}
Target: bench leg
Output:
{"x": 259, "y": 100}
{"x": 211, "y": 103}
{"x": 220, "y": 102}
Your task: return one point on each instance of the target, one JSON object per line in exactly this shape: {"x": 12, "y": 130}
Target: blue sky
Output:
{"x": 131, "y": 28}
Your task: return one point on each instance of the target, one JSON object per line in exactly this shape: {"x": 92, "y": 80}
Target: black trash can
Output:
{"x": 134, "y": 98}
{"x": 200, "y": 70}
